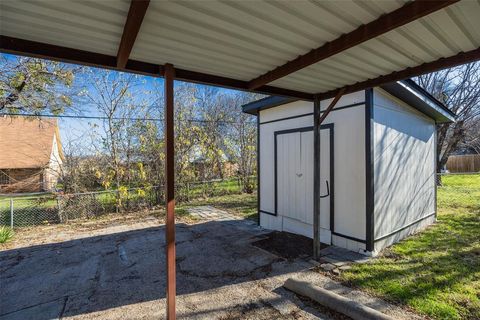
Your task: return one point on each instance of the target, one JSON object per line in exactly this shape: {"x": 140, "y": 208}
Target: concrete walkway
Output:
{"x": 209, "y": 213}
{"x": 121, "y": 275}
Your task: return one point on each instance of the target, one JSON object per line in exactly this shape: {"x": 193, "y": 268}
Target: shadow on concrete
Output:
{"x": 103, "y": 272}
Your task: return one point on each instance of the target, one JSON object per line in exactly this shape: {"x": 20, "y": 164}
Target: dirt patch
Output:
{"x": 253, "y": 311}
{"x": 287, "y": 245}
{"x": 80, "y": 228}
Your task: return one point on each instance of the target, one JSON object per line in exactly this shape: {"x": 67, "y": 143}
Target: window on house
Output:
{"x": 4, "y": 179}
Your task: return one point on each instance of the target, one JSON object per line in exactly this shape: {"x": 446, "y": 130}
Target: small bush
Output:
{"x": 5, "y": 234}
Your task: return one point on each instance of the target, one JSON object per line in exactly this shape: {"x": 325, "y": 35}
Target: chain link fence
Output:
{"x": 185, "y": 192}
{"x": 41, "y": 209}
{"x": 27, "y": 211}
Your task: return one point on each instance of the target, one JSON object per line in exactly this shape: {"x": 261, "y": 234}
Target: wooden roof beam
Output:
{"x": 442, "y": 63}
{"x": 136, "y": 13}
{"x": 69, "y": 55}
{"x": 407, "y": 13}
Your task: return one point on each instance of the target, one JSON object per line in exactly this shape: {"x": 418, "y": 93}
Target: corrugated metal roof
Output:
{"x": 440, "y": 34}
{"x": 244, "y": 39}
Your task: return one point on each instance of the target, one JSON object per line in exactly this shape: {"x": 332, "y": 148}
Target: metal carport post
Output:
{"x": 169, "y": 141}
{"x": 318, "y": 119}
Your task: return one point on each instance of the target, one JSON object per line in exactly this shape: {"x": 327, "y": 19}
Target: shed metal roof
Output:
{"x": 232, "y": 43}
{"x": 405, "y": 90}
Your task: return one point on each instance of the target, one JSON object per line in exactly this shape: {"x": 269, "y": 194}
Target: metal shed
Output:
{"x": 310, "y": 50}
{"x": 377, "y": 165}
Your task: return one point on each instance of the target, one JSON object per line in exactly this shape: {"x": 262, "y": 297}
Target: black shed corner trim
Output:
{"x": 369, "y": 174}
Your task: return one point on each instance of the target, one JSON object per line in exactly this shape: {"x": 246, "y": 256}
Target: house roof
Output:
{"x": 291, "y": 48}
{"x": 27, "y": 143}
{"x": 405, "y": 90}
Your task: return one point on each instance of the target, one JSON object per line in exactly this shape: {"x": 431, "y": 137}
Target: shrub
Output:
{"x": 5, "y": 234}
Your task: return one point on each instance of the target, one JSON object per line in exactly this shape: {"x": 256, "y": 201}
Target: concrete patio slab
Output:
{"x": 121, "y": 275}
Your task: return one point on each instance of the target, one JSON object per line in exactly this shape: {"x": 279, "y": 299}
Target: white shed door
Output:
{"x": 295, "y": 183}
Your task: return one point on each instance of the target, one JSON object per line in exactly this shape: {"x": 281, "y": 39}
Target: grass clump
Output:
{"x": 5, "y": 234}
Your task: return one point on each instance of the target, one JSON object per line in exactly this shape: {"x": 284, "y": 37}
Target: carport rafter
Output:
{"x": 442, "y": 63}
{"x": 385, "y": 23}
{"x": 136, "y": 13}
{"x": 64, "y": 54}
{"x": 69, "y": 55}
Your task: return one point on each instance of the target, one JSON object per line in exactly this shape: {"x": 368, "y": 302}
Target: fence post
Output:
{"x": 11, "y": 213}
{"x": 188, "y": 191}
{"x": 59, "y": 210}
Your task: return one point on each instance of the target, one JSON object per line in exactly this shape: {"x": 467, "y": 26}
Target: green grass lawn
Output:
{"x": 437, "y": 272}
{"x": 211, "y": 189}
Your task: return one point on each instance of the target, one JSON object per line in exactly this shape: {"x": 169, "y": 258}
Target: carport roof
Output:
{"x": 289, "y": 48}
{"x": 405, "y": 90}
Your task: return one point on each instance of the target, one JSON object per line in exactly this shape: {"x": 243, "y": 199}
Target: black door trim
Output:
{"x": 331, "y": 128}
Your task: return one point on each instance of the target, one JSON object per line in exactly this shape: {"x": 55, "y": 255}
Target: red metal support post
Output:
{"x": 169, "y": 75}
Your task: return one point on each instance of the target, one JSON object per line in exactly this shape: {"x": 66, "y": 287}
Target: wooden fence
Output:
{"x": 464, "y": 163}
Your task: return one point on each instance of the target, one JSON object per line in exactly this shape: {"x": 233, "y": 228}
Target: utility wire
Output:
{"x": 104, "y": 118}
{"x": 75, "y": 117}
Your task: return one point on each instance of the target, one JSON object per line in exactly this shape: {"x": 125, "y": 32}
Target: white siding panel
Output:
{"x": 297, "y": 227}
{"x": 267, "y": 190}
{"x": 287, "y": 110}
{"x": 349, "y": 144}
{"x": 349, "y": 172}
{"x": 379, "y": 245}
{"x": 348, "y": 244}
{"x": 288, "y": 164}
{"x": 404, "y": 165}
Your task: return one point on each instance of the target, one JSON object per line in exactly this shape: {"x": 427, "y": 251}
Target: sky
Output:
{"x": 78, "y": 129}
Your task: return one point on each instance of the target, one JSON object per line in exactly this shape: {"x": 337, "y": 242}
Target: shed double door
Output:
{"x": 294, "y": 175}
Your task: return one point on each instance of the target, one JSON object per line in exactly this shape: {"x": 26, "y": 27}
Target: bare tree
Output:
{"x": 213, "y": 112}
{"x": 472, "y": 136}
{"x": 459, "y": 89}
{"x": 113, "y": 96}
{"x": 243, "y": 139}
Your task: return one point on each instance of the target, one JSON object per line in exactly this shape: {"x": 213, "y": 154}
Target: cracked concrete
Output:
{"x": 121, "y": 275}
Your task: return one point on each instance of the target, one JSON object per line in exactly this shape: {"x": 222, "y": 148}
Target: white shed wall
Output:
{"x": 404, "y": 169}
{"x": 349, "y": 168}
{"x": 349, "y": 144}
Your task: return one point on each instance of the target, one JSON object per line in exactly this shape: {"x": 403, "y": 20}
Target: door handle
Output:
{"x": 299, "y": 174}
{"x": 328, "y": 190}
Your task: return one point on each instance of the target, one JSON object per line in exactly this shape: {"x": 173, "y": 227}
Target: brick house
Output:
{"x": 30, "y": 154}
